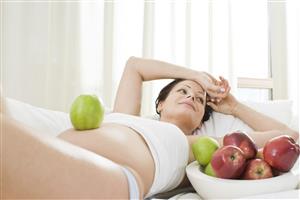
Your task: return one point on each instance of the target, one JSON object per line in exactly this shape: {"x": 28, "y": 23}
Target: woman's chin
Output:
{"x": 185, "y": 115}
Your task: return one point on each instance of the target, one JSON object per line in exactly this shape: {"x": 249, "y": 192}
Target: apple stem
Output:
{"x": 259, "y": 171}
{"x": 232, "y": 157}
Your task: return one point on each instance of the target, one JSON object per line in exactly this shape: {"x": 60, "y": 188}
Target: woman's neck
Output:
{"x": 180, "y": 124}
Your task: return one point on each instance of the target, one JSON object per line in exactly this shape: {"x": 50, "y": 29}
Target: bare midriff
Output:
{"x": 120, "y": 144}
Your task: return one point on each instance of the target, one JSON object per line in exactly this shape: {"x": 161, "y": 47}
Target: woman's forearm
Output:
{"x": 150, "y": 69}
{"x": 260, "y": 138}
{"x": 138, "y": 70}
{"x": 258, "y": 121}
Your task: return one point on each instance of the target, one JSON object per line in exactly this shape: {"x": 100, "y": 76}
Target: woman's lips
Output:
{"x": 189, "y": 104}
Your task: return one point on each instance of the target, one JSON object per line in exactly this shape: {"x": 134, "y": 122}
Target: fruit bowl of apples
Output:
{"x": 239, "y": 169}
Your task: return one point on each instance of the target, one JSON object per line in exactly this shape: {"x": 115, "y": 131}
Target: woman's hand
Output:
{"x": 216, "y": 89}
{"x": 225, "y": 105}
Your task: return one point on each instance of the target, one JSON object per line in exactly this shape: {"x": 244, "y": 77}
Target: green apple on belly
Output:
{"x": 203, "y": 149}
{"x": 86, "y": 112}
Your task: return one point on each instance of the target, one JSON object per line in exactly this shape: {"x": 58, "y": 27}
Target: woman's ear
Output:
{"x": 160, "y": 107}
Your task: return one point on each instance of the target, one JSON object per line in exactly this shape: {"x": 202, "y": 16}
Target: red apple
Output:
{"x": 243, "y": 141}
{"x": 257, "y": 169}
{"x": 228, "y": 162}
{"x": 276, "y": 172}
{"x": 281, "y": 152}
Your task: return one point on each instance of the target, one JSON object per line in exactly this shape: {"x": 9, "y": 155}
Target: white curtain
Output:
{"x": 293, "y": 54}
{"x": 41, "y": 52}
{"x": 54, "y": 51}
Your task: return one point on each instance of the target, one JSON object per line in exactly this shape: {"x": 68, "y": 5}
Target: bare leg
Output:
{"x": 36, "y": 166}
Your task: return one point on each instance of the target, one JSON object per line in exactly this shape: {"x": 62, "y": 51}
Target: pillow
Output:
{"x": 220, "y": 124}
{"x": 294, "y": 123}
{"x": 43, "y": 120}
{"x": 280, "y": 110}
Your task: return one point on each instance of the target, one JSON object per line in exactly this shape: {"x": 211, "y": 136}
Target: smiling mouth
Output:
{"x": 189, "y": 105}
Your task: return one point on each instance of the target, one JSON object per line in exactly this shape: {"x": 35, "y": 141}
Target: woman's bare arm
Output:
{"x": 137, "y": 70}
{"x": 257, "y": 120}
{"x": 264, "y": 127}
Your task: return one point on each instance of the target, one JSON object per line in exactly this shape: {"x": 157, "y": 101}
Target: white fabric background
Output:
{"x": 52, "y": 51}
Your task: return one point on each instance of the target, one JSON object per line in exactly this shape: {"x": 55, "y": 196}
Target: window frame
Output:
{"x": 277, "y": 82}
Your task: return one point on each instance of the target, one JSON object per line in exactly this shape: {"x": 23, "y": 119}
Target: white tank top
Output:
{"x": 168, "y": 145}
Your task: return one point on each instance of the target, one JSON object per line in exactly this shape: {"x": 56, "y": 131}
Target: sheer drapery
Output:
{"x": 293, "y": 52}
{"x": 41, "y": 52}
{"x": 54, "y": 51}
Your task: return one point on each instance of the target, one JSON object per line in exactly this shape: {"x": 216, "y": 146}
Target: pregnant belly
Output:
{"x": 119, "y": 144}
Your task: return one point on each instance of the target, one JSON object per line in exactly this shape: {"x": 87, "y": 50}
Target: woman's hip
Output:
{"x": 119, "y": 144}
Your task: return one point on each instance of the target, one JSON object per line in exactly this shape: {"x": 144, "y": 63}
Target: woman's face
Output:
{"x": 185, "y": 103}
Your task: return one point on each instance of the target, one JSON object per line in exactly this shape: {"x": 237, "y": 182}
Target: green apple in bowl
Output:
{"x": 209, "y": 170}
{"x": 203, "y": 149}
{"x": 86, "y": 112}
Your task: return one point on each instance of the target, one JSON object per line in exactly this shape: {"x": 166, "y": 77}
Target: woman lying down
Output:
{"x": 137, "y": 157}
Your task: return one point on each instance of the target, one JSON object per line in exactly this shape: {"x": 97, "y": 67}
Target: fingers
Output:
{"x": 216, "y": 91}
{"x": 224, "y": 82}
{"x": 212, "y": 105}
{"x": 214, "y": 100}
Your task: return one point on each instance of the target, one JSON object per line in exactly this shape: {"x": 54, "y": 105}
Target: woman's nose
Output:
{"x": 191, "y": 96}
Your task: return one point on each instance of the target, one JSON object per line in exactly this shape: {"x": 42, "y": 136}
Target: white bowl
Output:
{"x": 215, "y": 188}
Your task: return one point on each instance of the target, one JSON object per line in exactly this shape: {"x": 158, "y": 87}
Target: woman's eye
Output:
{"x": 199, "y": 99}
{"x": 183, "y": 91}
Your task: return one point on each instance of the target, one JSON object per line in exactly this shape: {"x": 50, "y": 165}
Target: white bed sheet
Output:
{"x": 290, "y": 194}
{"x": 53, "y": 122}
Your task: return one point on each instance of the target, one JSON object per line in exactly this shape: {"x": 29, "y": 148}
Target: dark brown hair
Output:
{"x": 164, "y": 93}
